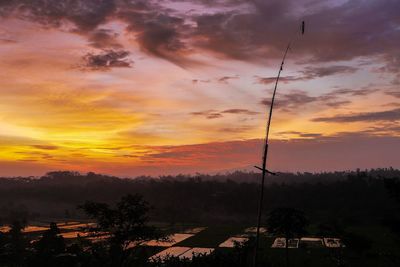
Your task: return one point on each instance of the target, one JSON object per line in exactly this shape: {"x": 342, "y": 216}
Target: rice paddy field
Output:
{"x": 311, "y": 251}
{"x": 188, "y": 240}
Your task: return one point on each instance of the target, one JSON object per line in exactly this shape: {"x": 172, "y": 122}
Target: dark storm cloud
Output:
{"x": 215, "y": 3}
{"x": 341, "y": 32}
{"x": 103, "y": 38}
{"x": 226, "y": 79}
{"x": 309, "y": 135}
{"x": 394, "y": 93}
{"x": 196, "y": 81}
{"x": 309, "y": 73}
{"x": 7, "y": 41}
{"x": 236, "y": 129}
{"x": 45, "y": 147}
{"x": 239, "y": 111}
{"x": 213, "y": 114}
{"x": 353, "y": 92}
{"x": 389, "y": 115}
{"x": 86, "y": 15}
{"x": 34, "y": 155}
{"x": 209, "y": 114}
{"x": 384, "y": 128}
{"x": 270, "y": 80}
{"x": 106, "y": 60}
{"x": 291, "y": 101}
{"x": 318, "y": 72}
{"x": 337, "y": 104}
{"x": 392, "y": 66}
{"x": 392, "y": 104}
{"x": 335, "y": 95}
{"x": 159, "y": 33}
{"x": 258, "y": 32}
{"x": 301, "y": 134}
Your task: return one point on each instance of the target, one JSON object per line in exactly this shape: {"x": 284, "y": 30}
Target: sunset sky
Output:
{"x": 135, "y": 87}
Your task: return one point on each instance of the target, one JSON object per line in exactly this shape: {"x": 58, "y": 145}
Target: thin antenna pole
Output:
{"x": 264, "y": 159}
{"x": 265, "y": 154}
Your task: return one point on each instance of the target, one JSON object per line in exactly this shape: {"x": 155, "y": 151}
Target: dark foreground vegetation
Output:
{"x": 362, "y": 208}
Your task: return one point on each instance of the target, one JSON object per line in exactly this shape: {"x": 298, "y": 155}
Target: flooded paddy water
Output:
{"x": 186, "y": 242}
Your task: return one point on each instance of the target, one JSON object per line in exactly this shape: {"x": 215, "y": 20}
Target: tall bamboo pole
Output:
{"x": 265, "y": 153}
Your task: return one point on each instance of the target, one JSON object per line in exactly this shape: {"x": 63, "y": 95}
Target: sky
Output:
{"x": 134, "y": 87}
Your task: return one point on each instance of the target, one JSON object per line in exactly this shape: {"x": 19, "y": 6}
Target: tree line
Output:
{"x": 221, "y": 198}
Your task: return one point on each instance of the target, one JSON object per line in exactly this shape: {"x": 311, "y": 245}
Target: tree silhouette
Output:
{"x": 49, "y": 248}
{"x": 287, "y": 222}
{"x": 392, "y": 185}
{"x": 126, "y": 224}
{"x": 15, "y": 245}
{"x": 51, "y": 243}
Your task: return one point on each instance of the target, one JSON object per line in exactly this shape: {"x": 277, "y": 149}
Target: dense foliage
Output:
{"x": 350, "y": 196}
